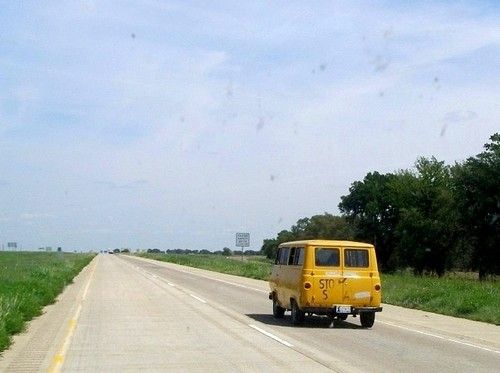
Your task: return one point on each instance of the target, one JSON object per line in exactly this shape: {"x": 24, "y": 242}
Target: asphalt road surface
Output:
{"x": 130, "y": 314}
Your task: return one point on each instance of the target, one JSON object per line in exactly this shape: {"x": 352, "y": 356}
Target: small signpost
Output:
{"x": 242, "y": 240}
{"x": 12, "y": 245}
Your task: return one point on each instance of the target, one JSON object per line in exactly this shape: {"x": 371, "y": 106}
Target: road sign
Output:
{"x": 242, "y": 239}
{"x": 12, "y": 245}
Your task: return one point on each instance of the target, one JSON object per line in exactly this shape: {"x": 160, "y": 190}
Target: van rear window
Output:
{"x": 328, "y": 257}
{"x": 356, "y": 258}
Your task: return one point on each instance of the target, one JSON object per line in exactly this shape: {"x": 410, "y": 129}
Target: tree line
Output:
{"x": 432, "y": 218}
{"x": 224, "y": 252}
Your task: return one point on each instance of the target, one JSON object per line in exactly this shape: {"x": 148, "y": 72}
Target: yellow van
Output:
{"x": 323, "y": 277}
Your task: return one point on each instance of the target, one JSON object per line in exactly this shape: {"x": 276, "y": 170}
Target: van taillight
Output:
{"x": 377, "y": 287}
{"x": 307, "y": 285}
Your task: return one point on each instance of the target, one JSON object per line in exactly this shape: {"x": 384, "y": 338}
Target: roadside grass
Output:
{"x": 459, "y": 296}
{"x": 449, "y": 295}
{"x": 28, "y": 282}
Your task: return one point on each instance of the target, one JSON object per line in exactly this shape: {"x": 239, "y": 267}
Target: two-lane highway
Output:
{"x": 130, "y": 314}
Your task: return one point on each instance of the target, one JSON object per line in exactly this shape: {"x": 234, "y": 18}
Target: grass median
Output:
{"x": 28, "y": 282}
{"x": 450, "y": 295}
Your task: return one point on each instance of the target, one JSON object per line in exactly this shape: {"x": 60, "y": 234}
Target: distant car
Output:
{"x": 110, "y": 252}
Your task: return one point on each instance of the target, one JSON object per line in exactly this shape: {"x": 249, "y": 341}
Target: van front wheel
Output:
{"x": 297, "y": 315}
{"x": 367, "y": 319}
{"x": 278, "y": 311}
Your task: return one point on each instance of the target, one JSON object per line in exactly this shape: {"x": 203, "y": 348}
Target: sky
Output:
{"x": 176, "y": 124}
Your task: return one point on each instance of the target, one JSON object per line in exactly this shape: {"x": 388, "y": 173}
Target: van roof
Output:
{"x": 328, "y": 243}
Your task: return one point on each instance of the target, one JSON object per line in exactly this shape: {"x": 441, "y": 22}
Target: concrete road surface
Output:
{"x": 130, "y": 314}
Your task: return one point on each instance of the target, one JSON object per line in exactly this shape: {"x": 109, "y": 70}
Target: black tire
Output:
{"x": 278, "y": 311}
{"x": 298, "y": 315}
{"x": 367, "y": 319}
{"x": 342, "y": 316}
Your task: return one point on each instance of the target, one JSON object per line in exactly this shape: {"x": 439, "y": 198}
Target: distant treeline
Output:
{"x": 432, "y": 218}
{"x": 225, "y": 252}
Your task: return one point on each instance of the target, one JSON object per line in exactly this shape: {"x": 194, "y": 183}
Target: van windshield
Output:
{"x": 327, "y": 257}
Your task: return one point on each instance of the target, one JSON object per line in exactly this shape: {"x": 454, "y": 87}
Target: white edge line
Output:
{"x": 198, "y": 298}
{"x": 170, "y": 284}
{"x": 440, "y": 337}
{"x": 270, "y": 335}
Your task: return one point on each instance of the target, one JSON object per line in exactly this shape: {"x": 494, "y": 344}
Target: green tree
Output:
{"x": 425, "y": 233}
{"x": 270, "y": 246}
{"x": 326, "y": 226}
{"x": 476, "y": 185}
{"x": 370, "y": 207}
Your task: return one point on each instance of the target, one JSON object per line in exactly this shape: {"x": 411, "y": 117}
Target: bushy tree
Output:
{"x": 434, "y": 217}
{"x": 476, "y": 185}
{"x": 270, "y": 246}
{"x": 326, "y": 226}
{"x": 370, "y": 207}
{"x": 425, "y": 232}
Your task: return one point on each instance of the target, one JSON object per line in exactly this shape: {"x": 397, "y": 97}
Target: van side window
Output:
{"x": 356, "y": 258}
{"x": 327, "y": 257}
{"x": 278, "y": 255}
{"x": 284, "y": 255}
{"x": 299, "y": 256}
{"x": 292, "y": 256}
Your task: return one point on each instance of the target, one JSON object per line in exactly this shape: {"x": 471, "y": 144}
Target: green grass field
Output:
{"x": 460, "y": 297}
{"x": 451, "y": 295}
{"x": 28, "y": 282}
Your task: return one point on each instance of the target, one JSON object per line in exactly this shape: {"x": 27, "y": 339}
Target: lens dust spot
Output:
{"x": 443, "y": 130}
{"x": 381, "y": 63}
{"x": 229, "y": 89}
{"x": 260, "y": 124}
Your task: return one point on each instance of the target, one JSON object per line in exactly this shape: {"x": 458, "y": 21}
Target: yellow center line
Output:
{"x": 58, "y": 359}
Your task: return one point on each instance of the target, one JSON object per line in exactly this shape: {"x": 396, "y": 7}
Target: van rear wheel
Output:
{"x": 278, "y": 311}
{"x": 298, "y": 316}
{"x": 367, "y": 319}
